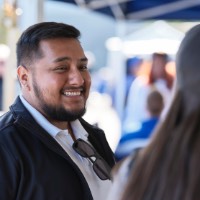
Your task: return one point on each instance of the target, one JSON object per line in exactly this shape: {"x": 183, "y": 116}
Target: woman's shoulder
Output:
{"x": 120, "y": 174}
{"x": 122, "y": 168}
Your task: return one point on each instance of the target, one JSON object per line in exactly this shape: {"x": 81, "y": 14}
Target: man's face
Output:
{"x": 59, "y": 82}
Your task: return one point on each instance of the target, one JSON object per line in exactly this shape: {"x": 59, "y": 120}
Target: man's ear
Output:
{"x": 23, "y": 76}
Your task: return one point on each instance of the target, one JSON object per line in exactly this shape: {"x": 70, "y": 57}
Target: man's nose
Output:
{"x": 75, "y": 77}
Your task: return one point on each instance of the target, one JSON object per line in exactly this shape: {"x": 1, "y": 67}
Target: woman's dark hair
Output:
{"x": 28, "y": 45}
{"x": 168, "y": 168}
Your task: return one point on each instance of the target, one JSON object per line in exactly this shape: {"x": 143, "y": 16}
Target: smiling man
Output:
{"x": 47, "y": 151}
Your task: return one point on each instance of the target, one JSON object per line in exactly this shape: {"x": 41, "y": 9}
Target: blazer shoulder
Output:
{"x": 6, "y": 120}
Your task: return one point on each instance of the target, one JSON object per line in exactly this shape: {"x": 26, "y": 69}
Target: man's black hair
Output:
{"x": 28, "y": 44}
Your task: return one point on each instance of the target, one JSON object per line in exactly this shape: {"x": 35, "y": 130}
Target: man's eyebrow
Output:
{"x": 84, "y": 59}
{"x": 61, "y": 59}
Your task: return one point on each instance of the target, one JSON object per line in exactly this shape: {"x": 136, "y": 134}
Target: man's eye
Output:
{"x": 83, "y": 67}
{"x": 60, "y": 69}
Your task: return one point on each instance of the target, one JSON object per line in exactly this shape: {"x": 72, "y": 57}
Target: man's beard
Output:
{"x": 56, "y": 113}
{"x": 60, "y": 113}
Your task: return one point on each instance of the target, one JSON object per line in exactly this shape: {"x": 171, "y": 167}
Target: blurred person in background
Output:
{"x": 47, "y": 150}
{"x": 133, "y": 141}
{"x": 168, "y": 168}
{"x": 4, "y": 54}
{"x": 133, "y": 65}
{"x": 158, "y": 78}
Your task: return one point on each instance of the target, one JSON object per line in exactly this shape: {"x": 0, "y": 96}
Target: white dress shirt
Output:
{"x": 98, "y": 187}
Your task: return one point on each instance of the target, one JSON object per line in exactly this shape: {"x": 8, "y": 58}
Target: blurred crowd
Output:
{"x": 148, "y": 89}
{"x": 166, "y": 167}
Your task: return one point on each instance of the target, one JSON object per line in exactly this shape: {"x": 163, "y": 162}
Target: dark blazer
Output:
{"x": 33, "y": 166}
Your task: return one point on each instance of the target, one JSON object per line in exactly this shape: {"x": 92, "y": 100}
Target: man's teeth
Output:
{"x": 72, "y": 93}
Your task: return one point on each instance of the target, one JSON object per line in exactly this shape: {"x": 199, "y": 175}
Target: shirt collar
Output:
{"x": 78, "y": 130}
